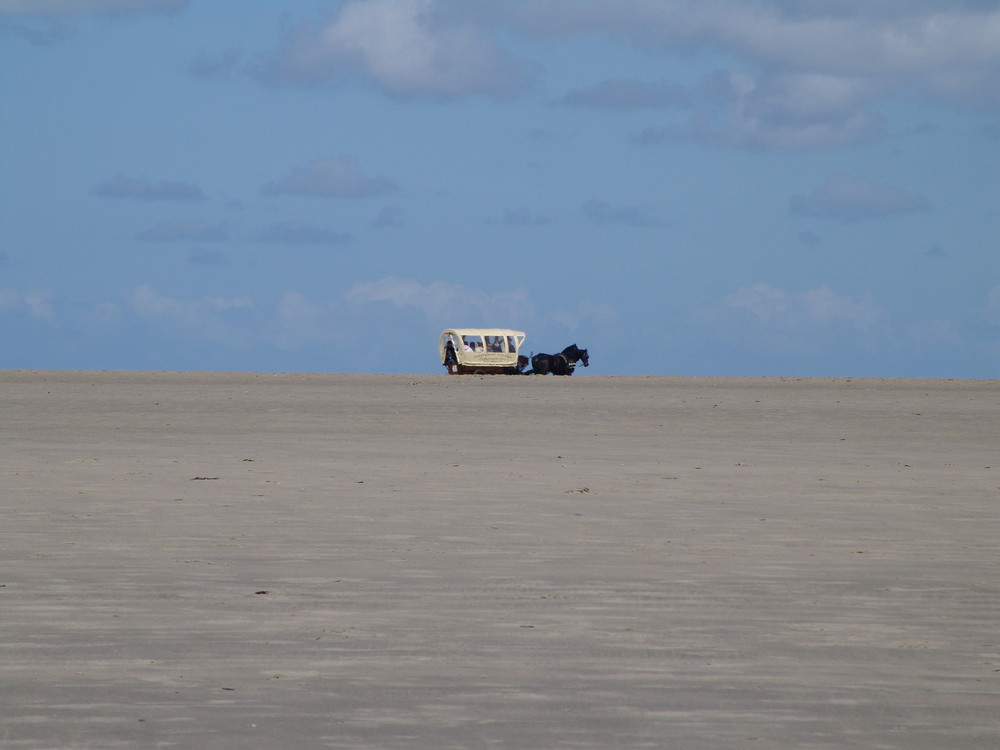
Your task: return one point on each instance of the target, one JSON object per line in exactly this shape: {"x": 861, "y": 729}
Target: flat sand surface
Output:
{"x": 211, "y": 560}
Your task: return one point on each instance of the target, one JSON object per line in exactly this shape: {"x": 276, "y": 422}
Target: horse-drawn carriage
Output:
{"x": 487, "y": 351}
{"x": 497, "y": 351}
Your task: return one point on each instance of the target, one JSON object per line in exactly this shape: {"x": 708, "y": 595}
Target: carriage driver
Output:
{"x": 450, "y": 358}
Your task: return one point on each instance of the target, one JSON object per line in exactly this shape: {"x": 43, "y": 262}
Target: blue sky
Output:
{"x": 782, "y": 187}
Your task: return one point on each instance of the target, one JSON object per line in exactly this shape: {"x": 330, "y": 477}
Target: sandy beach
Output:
{"x": 218, "y": 560}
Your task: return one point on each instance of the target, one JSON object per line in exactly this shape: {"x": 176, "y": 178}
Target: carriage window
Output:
{"x": 494, "y": 343}
{"x": 472, "y": 343}
{"x": 511, "y": 346}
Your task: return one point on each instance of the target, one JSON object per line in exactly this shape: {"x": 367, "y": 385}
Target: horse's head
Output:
{"x": 575, "y": 353}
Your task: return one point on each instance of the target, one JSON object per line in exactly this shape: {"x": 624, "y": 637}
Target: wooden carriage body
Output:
{"x": 482, "y": 351}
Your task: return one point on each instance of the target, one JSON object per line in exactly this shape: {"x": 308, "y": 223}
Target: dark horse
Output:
{"x": 559, "y": 364}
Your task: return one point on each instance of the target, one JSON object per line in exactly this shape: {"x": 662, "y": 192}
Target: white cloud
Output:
{"x": 825, "y": 306}
{"x": 810, "y": 74}
{"x": 796, "y": 111}
{"x": 299, "y": 322}
{"x": 974, "y": 332}
{"x": 764, "y": 321}
{"x": 845, "y": 38}
{"x": 37, "y": 303}
{"x": 335, "y": 177}
{"x": 946, "y": 50}
{"x": 780, "y": 310}
{"x": 746, "y": 130}
{"x": 763, "y": 302}
{"x": 764, "y": 328}
{"x": 778, "y": 111}
{"x": 207, "y": 318}
{"x": 440, "y": 298}
{"x": 851, "y": 198}
{"x": 814, "y": 95}
{"x": 906, "y": 42}
{"x": 405, "y": 48}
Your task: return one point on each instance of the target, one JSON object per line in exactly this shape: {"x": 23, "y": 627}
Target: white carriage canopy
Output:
{"x": 483, "y": 346}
